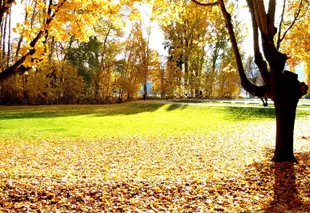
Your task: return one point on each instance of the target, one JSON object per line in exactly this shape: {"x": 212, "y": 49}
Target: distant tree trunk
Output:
{"x": 4, "y": 36}
{"x": 162, "y": 81}
{"x": 52, "y": 48}
{"x": 9, "y": 40}
{"x": 145, "y": 90}
{"x": 4, "y": 7}
{"x": 20, "y": 40}
{"x": 265, "y": 101}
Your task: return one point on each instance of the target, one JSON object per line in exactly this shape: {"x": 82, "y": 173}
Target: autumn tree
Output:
{"x": 53, "y": 82}
{"x": 279, "y": 85}
{"x": 58, "y": 19}
{"x": 185, "y": 40}
{"x": 220, "y": 65}
{"x": 130, "y": 73}
{"x": 159, "y": 82}
{"x": 47, "y": 29}
{"x": 145, "y": 55}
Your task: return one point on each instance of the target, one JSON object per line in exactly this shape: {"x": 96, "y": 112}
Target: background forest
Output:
{"x": 86, "y": 56}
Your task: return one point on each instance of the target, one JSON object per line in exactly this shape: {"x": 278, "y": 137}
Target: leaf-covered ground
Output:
{"x": 224, "y": 166}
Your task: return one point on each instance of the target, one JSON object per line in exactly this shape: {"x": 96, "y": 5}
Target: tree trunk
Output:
{"x": 145, "y": 90}
{"x": 286, "y": 98}
{"x": 285, "y": 119}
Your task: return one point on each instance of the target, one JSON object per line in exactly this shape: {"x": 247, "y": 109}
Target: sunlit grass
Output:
{"x": 128, "y": 119}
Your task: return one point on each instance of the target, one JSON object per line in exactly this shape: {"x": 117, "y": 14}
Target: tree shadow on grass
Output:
{"x": 37, "y": 114}
{"x": 190, "y": 101}
{"x": 290, "y": 183}
{"x": 172, "y": 107}
{"x": 244, "y": 113}
{"x": 55, "y": 111}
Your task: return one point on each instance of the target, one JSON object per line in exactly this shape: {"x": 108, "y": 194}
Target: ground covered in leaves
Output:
{"x": 224, "y": 167}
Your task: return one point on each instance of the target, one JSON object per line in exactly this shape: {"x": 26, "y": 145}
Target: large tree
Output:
{"x": 280, "y": 85}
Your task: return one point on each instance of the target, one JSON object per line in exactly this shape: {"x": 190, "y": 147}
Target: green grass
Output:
{"x": 128, "y": 119}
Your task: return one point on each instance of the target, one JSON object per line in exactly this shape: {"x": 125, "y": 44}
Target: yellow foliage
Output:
{"x": 297, "y": 42}
{"x": 54, "y": 81}
{"x": 69, "y": 18}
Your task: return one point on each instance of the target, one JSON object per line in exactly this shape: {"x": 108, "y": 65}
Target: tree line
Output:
{"x": 100, "y": 51}
{"x": 114, "y": 63}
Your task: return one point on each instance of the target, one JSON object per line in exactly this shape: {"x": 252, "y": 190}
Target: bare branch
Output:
{"x": 280, "y": 25}
{"x": 261, "y": 64}
{"x": 256, "y": 14}
{"x": 246, "y": 84}
{"x": 271, "y": 15}
{"x": 260, "y": 14}
{"x": 205, "y": 4}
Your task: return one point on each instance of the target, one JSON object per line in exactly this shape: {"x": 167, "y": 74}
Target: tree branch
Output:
{"x": 261, "y": 12}
{"x": 261, "y": 64}
{"x": 256, "y": 15}
{"x": 271, "y": 15}
{"x": 246, "y": 84}
{"x": 280, "y": 25}
{"x": 260, "y": 15}
{"x": 205, "y": 4}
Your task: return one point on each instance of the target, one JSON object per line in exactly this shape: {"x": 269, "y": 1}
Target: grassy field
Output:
{"x": 128, "y": 119}
{"x": 148, "y": 157}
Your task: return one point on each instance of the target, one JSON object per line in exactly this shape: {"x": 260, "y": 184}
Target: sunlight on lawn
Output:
{"x": 162, "y": 158}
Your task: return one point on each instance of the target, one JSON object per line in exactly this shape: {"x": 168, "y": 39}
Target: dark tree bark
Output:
{"x": 287, "y": 94}
{"x": 4, "y": 36}
{"x": 145, "y": 91}
{"x": 9, "y": 40}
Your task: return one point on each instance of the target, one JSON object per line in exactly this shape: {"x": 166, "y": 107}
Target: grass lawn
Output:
{"x": 148, "y": 157}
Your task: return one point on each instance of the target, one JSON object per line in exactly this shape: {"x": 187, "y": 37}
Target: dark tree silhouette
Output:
{"x": 280, "y": 85}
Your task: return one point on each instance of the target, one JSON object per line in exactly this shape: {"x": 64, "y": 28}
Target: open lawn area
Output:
{"x": 149, "y": 157}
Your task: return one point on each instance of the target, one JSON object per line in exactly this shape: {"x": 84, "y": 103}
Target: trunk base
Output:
{"x": 279, "y": 158}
